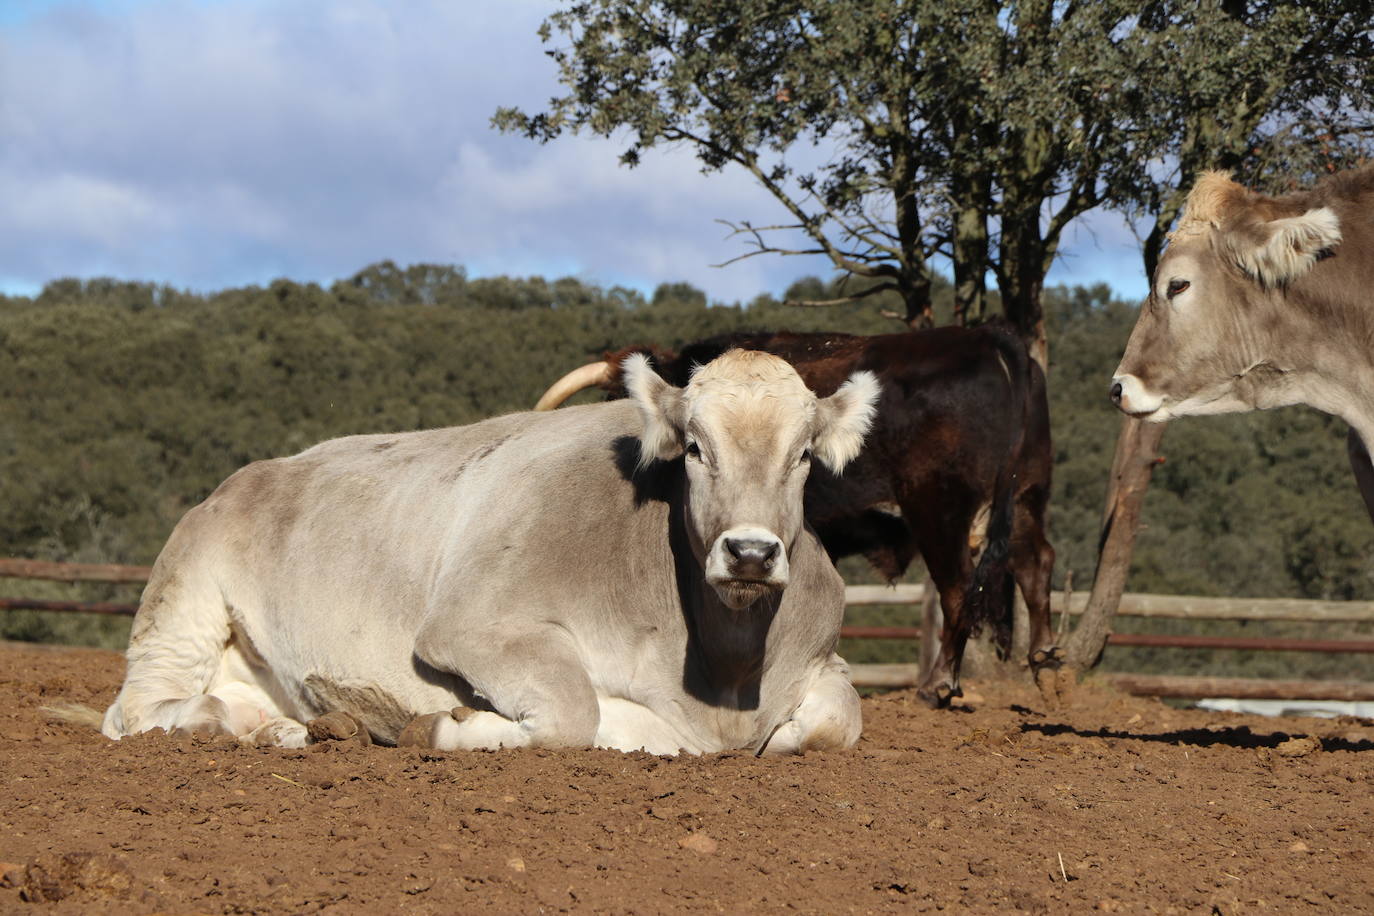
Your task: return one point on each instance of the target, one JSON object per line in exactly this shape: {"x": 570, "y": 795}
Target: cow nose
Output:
{"x": 752, "y": 555}
{"x": 1116, "y": 392}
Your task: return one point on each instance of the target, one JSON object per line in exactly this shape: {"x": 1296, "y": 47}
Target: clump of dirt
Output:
{"x": 1113, "y": 803}
{"x": 52, "y": 877}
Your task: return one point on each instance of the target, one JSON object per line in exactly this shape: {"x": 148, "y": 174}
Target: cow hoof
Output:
{"x": 277, "y": 732}
{"x": 422, "y": 730}
{"x": 938, "y": 697}
{"x": 210, "y": 728}
{"x": 1052, "y": 657}
{"x": 338, "y": 726}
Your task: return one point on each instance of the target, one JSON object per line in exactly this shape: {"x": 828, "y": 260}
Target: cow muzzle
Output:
{"x": 1131, "y": 396}
{"x": 745, "y": 564}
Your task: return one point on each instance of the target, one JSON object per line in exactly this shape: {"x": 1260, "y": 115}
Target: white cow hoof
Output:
{"x": 199, "y": 715}
{"x": 423, "y": 731}
{"x": 278, "y": 732}
{"x": 441, "y": 731}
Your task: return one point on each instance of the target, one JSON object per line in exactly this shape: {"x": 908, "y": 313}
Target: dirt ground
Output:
{"x": 1119, "y": 804}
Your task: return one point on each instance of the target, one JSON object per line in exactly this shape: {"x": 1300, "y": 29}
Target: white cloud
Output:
{"x": 206, "y": 144}
{"x": 1100, "y": 248}
{"x": 91, "y": 209}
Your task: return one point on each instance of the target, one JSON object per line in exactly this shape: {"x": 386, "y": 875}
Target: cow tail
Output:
{"x": 990, "y": 601}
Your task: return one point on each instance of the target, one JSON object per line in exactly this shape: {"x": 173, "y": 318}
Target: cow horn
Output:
{"x": 570, "y": 384}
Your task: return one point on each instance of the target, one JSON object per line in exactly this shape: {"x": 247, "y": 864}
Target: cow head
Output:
{"x": 747, "y": 429}
{"x": 1210, "y": 338}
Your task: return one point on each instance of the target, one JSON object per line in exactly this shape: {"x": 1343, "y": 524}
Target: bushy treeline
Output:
{"x": 126, "y": 403}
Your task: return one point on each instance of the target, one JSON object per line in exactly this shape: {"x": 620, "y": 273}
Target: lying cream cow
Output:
{"x": 634, "y": 574}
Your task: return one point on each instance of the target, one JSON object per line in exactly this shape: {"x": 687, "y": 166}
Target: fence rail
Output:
{"x": 1179, "y": 607}
{"x": 12, "y": 568}
{"x": 1162, "y": 685}
{"x": 121, "y": 609}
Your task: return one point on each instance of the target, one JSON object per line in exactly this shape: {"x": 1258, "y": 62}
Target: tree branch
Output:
{"x": 809, "y": 221}
{"x": 824, "y": 303}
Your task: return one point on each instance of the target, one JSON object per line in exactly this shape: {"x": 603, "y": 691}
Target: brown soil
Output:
{"x": 1116, "y": 803}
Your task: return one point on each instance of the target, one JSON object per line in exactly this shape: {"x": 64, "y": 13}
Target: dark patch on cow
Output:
{"x": 727, "y": 668}
{"x": 963, "y": 422}
{"x": 472, "y": 461}
{"x": 378, "y": 711}
{"x": 723, "y": 659}
{"x": 383, "y": 446}
{"x": 657, "y": 482}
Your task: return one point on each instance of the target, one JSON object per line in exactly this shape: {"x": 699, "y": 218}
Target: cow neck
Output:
{"x": 1324, "y": 361}
{"x": 725, "y": 648}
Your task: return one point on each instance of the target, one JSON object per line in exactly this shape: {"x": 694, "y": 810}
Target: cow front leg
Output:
{"x": 463, "y": 729}
{"x": 828, "y": 717}
{"x": 531, "y": 676}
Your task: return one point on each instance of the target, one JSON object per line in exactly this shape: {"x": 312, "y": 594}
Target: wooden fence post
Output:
{"x": 1132, "y": 466}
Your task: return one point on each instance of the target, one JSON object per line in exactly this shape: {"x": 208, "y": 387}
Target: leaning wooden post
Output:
{"x": 1132, "y": 466}
{"x": 932, "y": 625}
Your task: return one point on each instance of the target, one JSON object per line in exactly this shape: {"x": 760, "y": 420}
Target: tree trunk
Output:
{"x": 973, "y": 199}
{"x": 915, "y": 289}
{"x": 1021, "y": 280}
{"x": 1132, "y": 466}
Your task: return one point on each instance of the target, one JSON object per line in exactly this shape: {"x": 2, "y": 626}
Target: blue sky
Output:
{"x": 210, "y": 143}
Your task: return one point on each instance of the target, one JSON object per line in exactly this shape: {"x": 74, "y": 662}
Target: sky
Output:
{"x": 215, "y": 143}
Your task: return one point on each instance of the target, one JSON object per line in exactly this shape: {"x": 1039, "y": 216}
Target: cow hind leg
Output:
{"x": 175, "y": 652}
{"x": 232, "y": 706}
{"x": 1033, "y": 565}
{"x": 941, "y": 683}
{"x": 189, "y": 672}
{"x": 951, "y": 568}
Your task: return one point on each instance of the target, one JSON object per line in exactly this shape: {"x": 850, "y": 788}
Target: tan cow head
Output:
{"x": 1210, "y": 336}
{"x": 747, "y": 428}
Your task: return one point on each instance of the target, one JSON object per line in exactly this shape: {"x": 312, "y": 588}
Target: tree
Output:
{"x": 933, "y": 113}
{"x": 972, "y": 130}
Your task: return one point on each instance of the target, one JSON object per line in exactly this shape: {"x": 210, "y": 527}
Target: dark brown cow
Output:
{"x": 956, "y": 469}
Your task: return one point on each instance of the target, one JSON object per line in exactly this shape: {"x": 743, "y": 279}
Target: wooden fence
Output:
{"x": 1179, "y": 607}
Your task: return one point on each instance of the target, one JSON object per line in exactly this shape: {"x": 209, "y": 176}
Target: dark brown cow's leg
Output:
{"x": 947, "y": 560}
{"x": 1032, "y": 560}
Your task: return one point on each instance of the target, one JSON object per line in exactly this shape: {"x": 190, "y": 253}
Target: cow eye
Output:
{"x": 1176, "y": 287}
{"x": 693, "y": 451}
{"x": 805, "y": 457}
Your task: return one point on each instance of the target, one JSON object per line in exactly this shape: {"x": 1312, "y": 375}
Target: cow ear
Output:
{"x": 661, "y": 406}
{"x": 843, "y": 419}
{"x": 1277, "y": 251}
